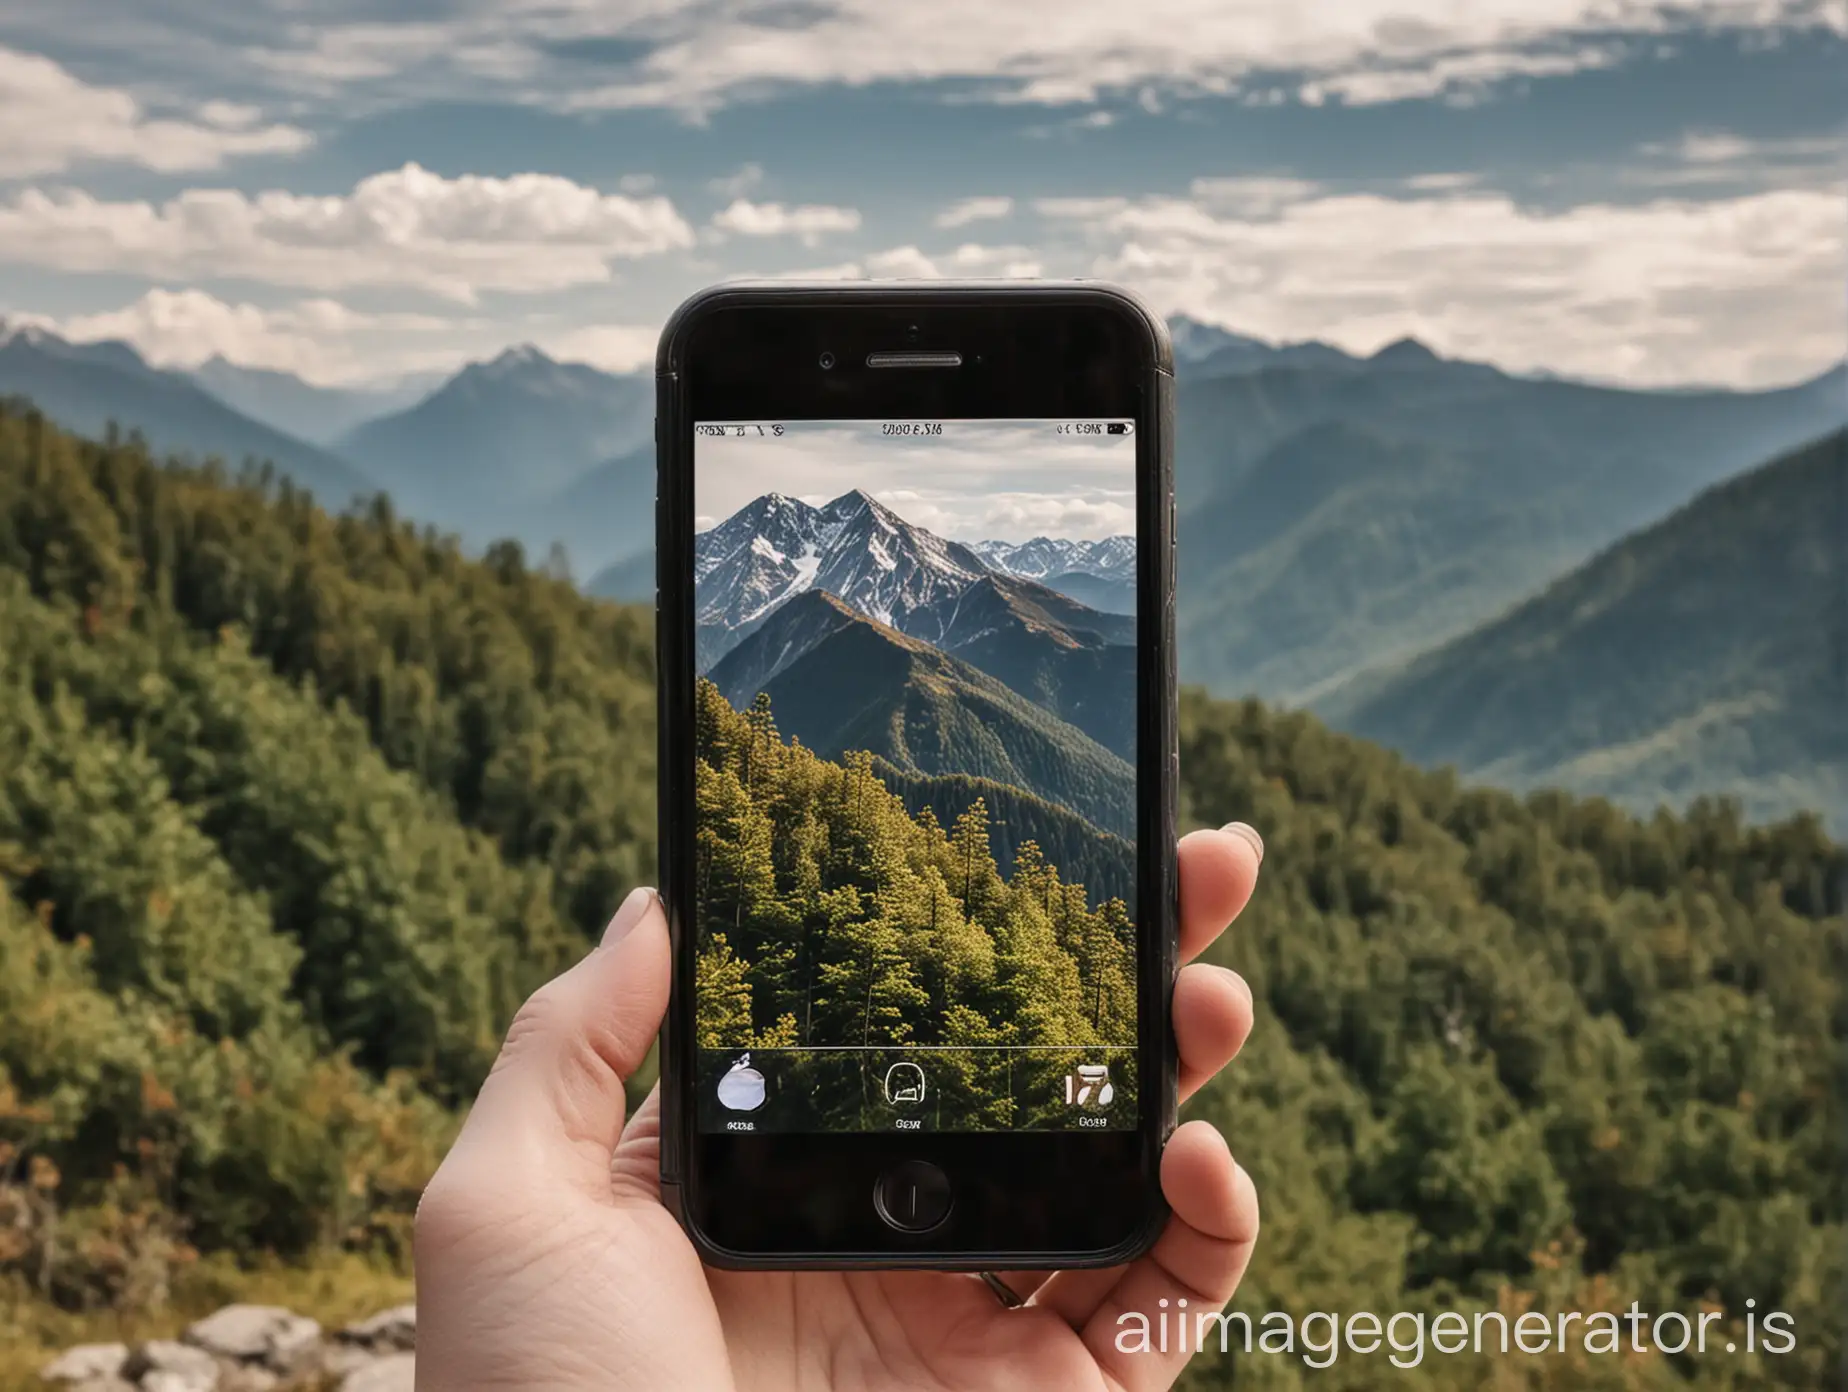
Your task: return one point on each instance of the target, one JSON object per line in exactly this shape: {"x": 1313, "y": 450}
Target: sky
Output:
{"x": 978, "y": 481}
{"x": 1636, "y": 191}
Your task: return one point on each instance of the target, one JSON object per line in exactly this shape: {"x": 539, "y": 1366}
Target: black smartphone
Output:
{"x": 917, "y": 773}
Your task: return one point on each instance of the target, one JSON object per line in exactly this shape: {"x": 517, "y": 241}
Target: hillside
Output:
{"x": 320, "y": 415}
{"x": 489, "y": 453}
{"x": 87, "y": 387}
{"x": 1076, "y": 662}
{"x": 1708, "y": 652}
{"x": 1336, "y": 519}
{"x": 282, "y": 786}
{"x": 840, "y": 682}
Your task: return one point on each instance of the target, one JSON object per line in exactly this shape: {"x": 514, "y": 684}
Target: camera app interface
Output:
{"x": 916, "y": 716}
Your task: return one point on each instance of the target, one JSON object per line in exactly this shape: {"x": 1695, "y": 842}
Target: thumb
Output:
{"x": 552, "y": 1106}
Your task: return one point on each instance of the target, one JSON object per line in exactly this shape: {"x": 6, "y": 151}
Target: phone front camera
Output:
{"x": 911, "y": 333}
{"x": 827, "y": 361}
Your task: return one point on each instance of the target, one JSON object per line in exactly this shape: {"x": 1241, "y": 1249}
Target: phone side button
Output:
{"x": 913, "y": 1197}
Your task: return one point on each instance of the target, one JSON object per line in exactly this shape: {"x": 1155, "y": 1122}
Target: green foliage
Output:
{"x": 295, "y": 811}
{"x": 831, "y": 916}
{"x": 1533, "y": 1051}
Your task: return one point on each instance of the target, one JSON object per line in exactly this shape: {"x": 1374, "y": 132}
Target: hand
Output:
{"x": 545, "y": 1259}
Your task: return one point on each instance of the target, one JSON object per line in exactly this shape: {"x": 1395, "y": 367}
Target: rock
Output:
{"x": 338, "y": 1360}
{"x": 395, "y": 1328}
{"x": 163, "y": 1365}
{"x": 86, "y": 1363}
{"x": 248, "y": 1377}
{"x": 263, "y": 1334}
{"x": 395, "y": 1372}
{"x": 102, "y": 1384}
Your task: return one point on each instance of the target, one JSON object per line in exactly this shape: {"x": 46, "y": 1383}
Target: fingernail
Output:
{"x": 1250, "y": 834}
{"x": 628, "y": 916}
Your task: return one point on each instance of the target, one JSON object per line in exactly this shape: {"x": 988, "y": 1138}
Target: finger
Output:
{"x": 1212, "y": 1018}
{"x": 1219, "y": 869}
{"x": 552, "y": 1106}
{"x": 636, "y": 1170}
{"x": 1194, "y": 1169}
{"x": 1194, "y": 1266}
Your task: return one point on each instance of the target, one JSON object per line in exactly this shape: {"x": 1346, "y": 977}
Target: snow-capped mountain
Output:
{"x": 853, "y": 547}
{"x": 1113, "y": 558}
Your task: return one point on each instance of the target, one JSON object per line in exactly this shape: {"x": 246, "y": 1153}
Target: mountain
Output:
{"x": 495, "y": 450}
{"x": 1098, "y": 574}
{"x": 320, "y": 415}
{"x": 1075, "y": 662}
{"x": 85, "y": 387}
{"x": 1705, "y": 654}
{"x": 854, "y": 547}
{"x": 603, "y": 513}
{"x": 840, "y": 681}
{"x": 1333, "y": 522}
{"x": 628, "y": 581}
{"x": 1207, "y": 350}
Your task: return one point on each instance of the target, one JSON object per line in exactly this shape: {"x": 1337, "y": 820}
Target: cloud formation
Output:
{"x": 50, "y": 121}
{"x": 407, "y": 228}
{"x": 696, "y": 56}
{"x": 809, "y": 221}
{"x": 318, "y": 339}
{"x": 1745, "y": 290}
{"x": 968, "y": 210}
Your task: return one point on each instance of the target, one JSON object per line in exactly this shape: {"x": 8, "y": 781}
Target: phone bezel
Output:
{"x": 1030, "y": 350}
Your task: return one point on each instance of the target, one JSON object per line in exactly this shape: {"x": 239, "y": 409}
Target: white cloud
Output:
{"x": 612, "y": 347}
{"x": 51, "y": 121}
{"x": 808, "y": 221}
{"x": 405, "y": 228}
{"x": 911, "y": 263}
{"x": 738, "y": 183}
{"x": 694, "y": 57}
{"x": 970, "y": 210}
{"x": 317, "y": 339}
{"x": 1063, "y": 51}
{"x": 1744, "y": 290}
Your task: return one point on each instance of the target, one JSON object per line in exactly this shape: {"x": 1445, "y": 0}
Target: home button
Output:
{"x": 913, "y": 1197}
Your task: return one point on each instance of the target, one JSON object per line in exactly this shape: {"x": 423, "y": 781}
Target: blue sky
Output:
{"x": 1618, "y": 189}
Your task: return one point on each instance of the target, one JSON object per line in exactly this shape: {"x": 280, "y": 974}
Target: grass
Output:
{"x": 336, "y": 1290}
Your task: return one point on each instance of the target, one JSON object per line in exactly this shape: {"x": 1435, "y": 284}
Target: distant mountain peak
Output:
{"x": 521, "y": 355}
{"x": 1406, "y": 352}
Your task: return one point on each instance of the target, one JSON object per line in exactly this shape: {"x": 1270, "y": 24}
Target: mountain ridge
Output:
{"x": 88, "y": 387}
{"x": 1708, "y": 651}
{"x": 840, "y": 681}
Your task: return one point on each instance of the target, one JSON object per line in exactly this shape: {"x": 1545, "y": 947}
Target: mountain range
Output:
{"x": 549, "y": 452}
{"x": 90, "y": 387}
{"x": 1707, "y": 651}
{"x": 1341, "y": 516}
{"x": 1333, "y": 521}
{"x": 869, "y": 632}
{"x": 317, "y": 414}
{"x": 1101, "y": 574}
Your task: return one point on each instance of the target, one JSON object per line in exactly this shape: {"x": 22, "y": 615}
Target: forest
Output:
{"x": 830, "y": 916}
{"x": 295, "y": 807}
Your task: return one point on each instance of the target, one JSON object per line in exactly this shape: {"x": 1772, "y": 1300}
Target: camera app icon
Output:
{"x": 1089, "y": 1085}
{"x": 904, "y": 1085}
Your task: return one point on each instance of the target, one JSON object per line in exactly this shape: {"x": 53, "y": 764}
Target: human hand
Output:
{"x": 545, "y": 1259}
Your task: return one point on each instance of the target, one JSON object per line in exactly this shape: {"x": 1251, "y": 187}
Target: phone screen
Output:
{"x": 915, "y": 775}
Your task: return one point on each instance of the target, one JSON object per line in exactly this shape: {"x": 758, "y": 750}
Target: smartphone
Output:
{"x": 917, "y": 773}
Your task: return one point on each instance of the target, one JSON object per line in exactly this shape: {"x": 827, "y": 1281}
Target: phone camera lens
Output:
{"x": 827, "y": 362}
{"x": 911, "y": 333}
